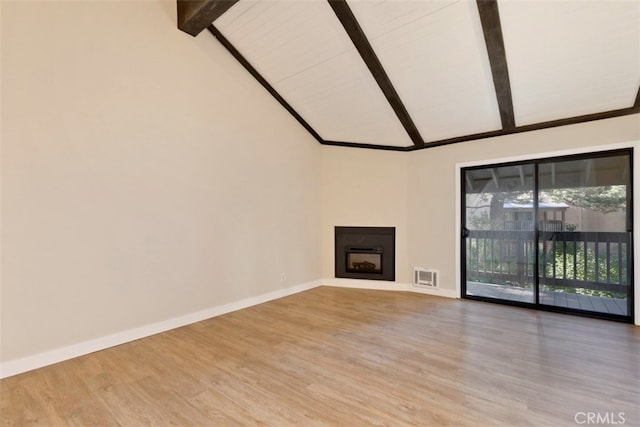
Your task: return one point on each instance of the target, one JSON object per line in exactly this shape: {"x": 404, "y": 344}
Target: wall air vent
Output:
{"x": 425, "y": 278}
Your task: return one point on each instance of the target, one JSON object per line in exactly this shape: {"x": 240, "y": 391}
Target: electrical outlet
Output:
{"x": 283, "y": 277}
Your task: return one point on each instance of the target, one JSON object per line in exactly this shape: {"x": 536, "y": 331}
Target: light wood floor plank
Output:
{"x": 335, "y": 357}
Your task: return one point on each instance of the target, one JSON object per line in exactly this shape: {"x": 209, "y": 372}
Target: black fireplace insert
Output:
{"x": 365, "y": 253}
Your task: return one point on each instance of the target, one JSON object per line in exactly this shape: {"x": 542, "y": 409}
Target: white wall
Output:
{"x": 145, "y": 176}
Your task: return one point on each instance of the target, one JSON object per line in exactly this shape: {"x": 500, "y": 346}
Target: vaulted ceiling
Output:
{"x": 412, "y": 74}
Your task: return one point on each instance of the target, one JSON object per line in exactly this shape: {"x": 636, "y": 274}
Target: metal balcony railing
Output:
{"x": 588, "y": 260}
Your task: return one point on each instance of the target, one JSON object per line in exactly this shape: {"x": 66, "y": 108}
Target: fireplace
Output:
{"x": 365, "y": 253}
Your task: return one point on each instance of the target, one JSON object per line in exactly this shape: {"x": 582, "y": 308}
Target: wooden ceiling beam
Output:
{"x": 496, "y": 133}
{"x": 359, "y": 39}
{"x": 492, "y": 29}
{"x": 196, "y": 15}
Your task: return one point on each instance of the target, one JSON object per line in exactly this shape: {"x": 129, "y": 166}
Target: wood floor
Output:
{"x": 347, "y": 357}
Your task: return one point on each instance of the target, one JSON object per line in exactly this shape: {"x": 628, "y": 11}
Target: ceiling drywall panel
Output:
{"x": 301, "y": 49}
{"x": 435, "y": 56}
{"x": 571, "y": 58}
{"x": 277, "y": 35}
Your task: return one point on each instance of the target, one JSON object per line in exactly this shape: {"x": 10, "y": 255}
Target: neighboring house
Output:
{"x": 551, "y": 216}
{"x": 561, "y": 217}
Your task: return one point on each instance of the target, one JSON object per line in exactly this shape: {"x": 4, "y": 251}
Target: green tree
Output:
{"x": 566, "y": 267}
{"x": 603, "y": 199}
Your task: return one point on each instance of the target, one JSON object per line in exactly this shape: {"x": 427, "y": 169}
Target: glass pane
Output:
{"x": 585, "y": 240}
{"x": 499, "y": 248}
{"x": 362, "y": 261}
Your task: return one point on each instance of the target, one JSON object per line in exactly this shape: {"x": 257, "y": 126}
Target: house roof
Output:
{"x": 406, "y": 75}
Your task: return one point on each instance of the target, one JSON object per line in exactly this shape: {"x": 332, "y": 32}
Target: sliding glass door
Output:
{"x": 585, "y": 255}
{"x": 551, "y": 233}
{"x": 499, "y": 234}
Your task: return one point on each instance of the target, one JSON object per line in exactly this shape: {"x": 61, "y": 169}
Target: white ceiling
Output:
{"x": 301, "y": 49}
{"x": 434, "y": 53}
{"x": 565, "y": 59}
{"x": 570, "y": 58}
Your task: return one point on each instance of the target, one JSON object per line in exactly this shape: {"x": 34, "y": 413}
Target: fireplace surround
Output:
{"x": 365, "y": 253}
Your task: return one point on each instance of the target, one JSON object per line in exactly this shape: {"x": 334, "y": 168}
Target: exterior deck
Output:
{"x": 568, "y": 265}
{"x": 616, "y": 306}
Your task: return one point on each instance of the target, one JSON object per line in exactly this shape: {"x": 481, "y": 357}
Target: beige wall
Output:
{"x": 416, "y": 191}
{"x": 145, "y": 175}
{"x": 364, "y": 188}
{"x": 432, "y": 181}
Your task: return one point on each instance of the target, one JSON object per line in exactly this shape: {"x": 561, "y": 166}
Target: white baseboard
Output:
{"x": 387, "y": 286}
{"x": 381, "y": 285}
{"x": 447, "y": 293}
{"x": 28, "y": 363}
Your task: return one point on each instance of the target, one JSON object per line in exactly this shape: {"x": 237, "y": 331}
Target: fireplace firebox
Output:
{"x": 365, "y": 253}
{"x": 364, "y": 259}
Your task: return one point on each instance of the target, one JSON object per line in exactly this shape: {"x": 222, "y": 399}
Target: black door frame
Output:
{"x": 536, "y": 162}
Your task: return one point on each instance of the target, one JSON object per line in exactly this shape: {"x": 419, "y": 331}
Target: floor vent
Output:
{"x": 425, "y": 278}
